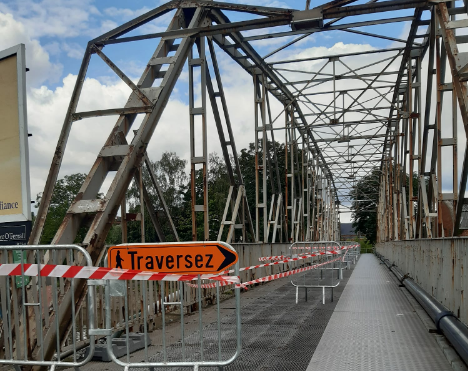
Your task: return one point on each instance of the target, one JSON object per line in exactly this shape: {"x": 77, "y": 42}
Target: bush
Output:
{"x": 366, "y": 245}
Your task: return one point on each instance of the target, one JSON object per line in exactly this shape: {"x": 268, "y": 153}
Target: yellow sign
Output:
{"x": 14, "y": 186}
{"x": 190, "y": 258}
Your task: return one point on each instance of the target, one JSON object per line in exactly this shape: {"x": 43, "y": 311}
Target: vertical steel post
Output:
{"x": 260, "y": 157}
{"x": 123, "y": 219}
{"x": 142, "y": 205}
{"x": 290, "y": 148}
{"x": 197, "y": 158}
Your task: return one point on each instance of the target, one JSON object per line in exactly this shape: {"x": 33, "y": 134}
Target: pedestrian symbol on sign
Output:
{"x": 118, "y": 260}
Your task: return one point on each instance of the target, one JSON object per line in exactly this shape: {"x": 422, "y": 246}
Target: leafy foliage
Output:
{"x": 175, "y": 183}
{"x": 365, "y": 196}
{"x": 172, "y": 178}
{"x": 65, "y": 192}
{"x": 247, "y": 165}
{"x": 366, "y": 245}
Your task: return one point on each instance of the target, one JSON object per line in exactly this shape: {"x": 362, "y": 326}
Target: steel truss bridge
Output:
{"x": 399, "y": 110}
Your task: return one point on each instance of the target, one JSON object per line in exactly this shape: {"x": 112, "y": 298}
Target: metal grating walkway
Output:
{"x": 371, "y": 327}
{"x": 277, "y": 334}
{"x": 374, "y": 327}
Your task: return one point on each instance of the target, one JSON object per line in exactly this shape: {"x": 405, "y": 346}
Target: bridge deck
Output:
{"x": 374, "y": 327}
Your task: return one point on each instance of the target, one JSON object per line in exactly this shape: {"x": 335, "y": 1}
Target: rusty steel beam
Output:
{"x": 102, "y": 220}
{"x": 456, "y": 66}
{"x": 178, "y": 4}
{"x": 372, "y": 8}
{"x": 139, "y": 93}
{"x": 111, "y": 112}
{"x": 201, "y": 158}
{"x": 345, "y": 26}
{"x": 35, "y": 237}
{"x": 205, "y": 31}
{"x": 335, "y": 3}
{"x": 227, "y": 138}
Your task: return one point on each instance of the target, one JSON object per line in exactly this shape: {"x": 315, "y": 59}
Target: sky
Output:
{"x": 56, "y": 33}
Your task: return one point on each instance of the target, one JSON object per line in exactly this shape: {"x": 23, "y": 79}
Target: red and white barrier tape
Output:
{"x": 323, "y": 247}
{"x": 67, "y": 271}
{"x": 285, "y": 274}
{"x": 284, "y": 257}
{"x": 286, "y": 260}
{"x": 318, "y": 248}
{"x": 265, "y": 279}
{"x": 276, "y": 257}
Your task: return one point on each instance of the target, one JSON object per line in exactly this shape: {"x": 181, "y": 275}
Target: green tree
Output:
{"x": 172, "y": 178}
{"x": 65, "y": 191}
{"x": 218, "y": 189}
{"x": 247, "y": 165}
{"x": 365, "y": 196}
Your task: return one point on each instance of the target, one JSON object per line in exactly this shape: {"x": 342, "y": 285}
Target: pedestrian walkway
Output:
{"x": 374, "y": 327}
{"x": 369, "y": 326}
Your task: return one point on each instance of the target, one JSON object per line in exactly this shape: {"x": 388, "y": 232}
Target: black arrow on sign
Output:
{"x": 229, "y": 258}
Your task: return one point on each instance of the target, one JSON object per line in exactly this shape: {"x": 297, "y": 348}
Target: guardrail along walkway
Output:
{"x": 374, "y": 327}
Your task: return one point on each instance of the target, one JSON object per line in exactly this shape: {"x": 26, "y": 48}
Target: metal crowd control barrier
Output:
{"x": 353, "y": 249}
{"x": 334, "y": 250}
{"x": 206, "y": 343}
{"x": 30, "y": 304}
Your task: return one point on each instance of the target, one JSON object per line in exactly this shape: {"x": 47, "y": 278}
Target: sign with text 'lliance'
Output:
{"x": 15, "y": 199}
{"x": 176, "y": 257}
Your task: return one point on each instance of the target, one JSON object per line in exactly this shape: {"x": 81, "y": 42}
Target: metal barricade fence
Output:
{"x": 315, "y": 247}
{"x": 115, "y": 306}
{"x": 330, "y": 262}
{"x": 33, "y": 305}
{"x": 215, "y": 343}
{"x": 354, "y": 251}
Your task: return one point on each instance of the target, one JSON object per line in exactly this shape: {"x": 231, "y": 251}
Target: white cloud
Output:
{"x": 106, "y": 26}
{"x": 73, "y": 50}
{"x": 119, "y": 12}
{"x": 320, "y": 51}
{"x": 268, "y": 3}
{"x": 46, "y": 112}
{"x": 53, "y": 18}
{"x": 53, "y": 48}
{"x": 125, "y": 13}
{"x": 37, "y": 58}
